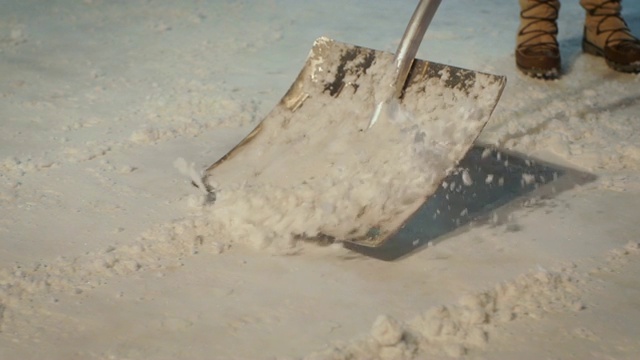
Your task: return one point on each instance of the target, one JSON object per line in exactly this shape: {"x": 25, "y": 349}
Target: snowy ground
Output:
{"x": 100, "y": 256}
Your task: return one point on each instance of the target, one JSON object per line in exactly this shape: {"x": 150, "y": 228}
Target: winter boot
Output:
{"x": 537, "y": 51}
{"x": 606, "y": 34}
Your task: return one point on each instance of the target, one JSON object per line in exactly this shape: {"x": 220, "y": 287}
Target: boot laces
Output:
{"x": 548, "y": 30}
{"x": 625, "y": 41}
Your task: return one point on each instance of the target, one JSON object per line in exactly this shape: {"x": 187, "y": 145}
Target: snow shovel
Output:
{"x": 361, "y": 140}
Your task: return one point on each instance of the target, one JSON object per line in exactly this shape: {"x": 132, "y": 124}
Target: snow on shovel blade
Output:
{"x": 313, "y": 170}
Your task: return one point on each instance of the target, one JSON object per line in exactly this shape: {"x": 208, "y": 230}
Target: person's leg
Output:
{"x": 537, "y": 51}
{"x": 606, "y": 34}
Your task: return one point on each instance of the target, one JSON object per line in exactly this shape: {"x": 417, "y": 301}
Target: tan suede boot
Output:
{"x": 537, "y": 51}
{"x": 606, "y": 34}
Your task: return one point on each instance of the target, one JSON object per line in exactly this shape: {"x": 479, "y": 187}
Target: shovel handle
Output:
{"x": 411, "y": 40}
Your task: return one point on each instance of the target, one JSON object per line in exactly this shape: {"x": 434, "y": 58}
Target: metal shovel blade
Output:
{"x": 319, "y": 172}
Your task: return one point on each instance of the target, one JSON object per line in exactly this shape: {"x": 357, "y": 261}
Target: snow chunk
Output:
{"x": 387, "y": 330}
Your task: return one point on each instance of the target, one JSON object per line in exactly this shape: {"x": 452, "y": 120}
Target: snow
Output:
{"x": 105, "y": 252}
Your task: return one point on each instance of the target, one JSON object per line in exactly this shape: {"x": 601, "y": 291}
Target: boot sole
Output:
{"x": 544, "y": 74}
{"x": 591, "y": 49}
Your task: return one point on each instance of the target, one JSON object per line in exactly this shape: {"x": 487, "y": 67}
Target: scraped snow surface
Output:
{"x": 109, "y": 110}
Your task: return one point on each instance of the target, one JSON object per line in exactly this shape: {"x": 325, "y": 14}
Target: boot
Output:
{"x": 606, "y": 34}
{"x": 537, "y": 51}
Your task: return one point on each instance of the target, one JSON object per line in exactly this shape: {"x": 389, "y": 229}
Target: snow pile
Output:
{"x": 454, "y": 329}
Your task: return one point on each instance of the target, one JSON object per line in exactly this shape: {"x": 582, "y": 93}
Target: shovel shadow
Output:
{"x": 493, "y": 183}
